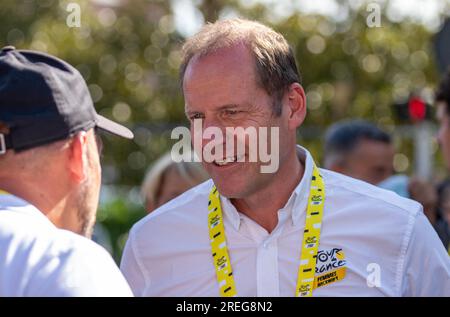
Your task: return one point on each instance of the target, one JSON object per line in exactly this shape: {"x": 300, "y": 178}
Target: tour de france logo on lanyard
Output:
{"x": 310, "y": 244}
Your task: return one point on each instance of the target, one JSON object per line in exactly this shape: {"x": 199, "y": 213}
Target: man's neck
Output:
{"x": 51, "y": 205}
{"x": 263, "y": 206}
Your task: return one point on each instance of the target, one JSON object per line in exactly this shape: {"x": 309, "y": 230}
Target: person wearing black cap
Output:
{"x": 50, "y": 178}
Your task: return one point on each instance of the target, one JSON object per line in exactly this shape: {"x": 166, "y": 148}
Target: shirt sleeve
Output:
{"x": 85, "y": 270}
{"x": 131, "y": 269}
{"x": 426, "y": 263}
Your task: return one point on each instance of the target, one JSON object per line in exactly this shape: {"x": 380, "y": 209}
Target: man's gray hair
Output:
{"x": 274, "y": 60}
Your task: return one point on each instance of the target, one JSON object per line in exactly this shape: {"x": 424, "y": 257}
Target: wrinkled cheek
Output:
{"x": 95, "y": 179}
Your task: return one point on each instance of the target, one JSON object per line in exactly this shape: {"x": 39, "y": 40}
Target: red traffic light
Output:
{"x": 417, "y": 109}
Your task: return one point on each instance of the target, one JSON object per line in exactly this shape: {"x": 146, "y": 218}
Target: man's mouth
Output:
{"x": 228, "y": 160}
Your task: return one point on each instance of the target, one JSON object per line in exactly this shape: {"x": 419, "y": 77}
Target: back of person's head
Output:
{"x": 166, "y": 179}
{"x": 49, "y": 149}
{"x": 343, "y": 137}
{"x": 64, "y": 172}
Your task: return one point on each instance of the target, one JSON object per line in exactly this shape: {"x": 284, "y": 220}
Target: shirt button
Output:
{"x": 265, "y": 245}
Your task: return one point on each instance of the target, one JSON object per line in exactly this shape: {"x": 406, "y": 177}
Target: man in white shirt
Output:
{"x": 298, "y": 231}
{"x": 50, "y": 179}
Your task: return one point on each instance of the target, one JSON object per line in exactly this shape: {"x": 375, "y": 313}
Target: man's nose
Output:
{"x": 213, "y": 130}
{"x": 211, "y": 122}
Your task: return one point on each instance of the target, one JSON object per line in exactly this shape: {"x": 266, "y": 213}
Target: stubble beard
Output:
{"x": 86, "y": 209}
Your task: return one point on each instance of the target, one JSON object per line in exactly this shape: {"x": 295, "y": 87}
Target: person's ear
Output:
{"x": 77, "y": 159}
{"x": 296, "y": 101}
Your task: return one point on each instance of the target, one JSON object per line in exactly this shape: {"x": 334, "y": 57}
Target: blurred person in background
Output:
{"x": 443, "y": 116}
{"x": 444, "y": 200}
{"x": 361, "y": 150}
{"x": 443, "y": 218}
{"x": 50, "y": 177}
{"x": 167, "y": 179}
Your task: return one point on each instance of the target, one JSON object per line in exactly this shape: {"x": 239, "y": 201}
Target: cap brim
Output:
{"x": 113, "y": 127}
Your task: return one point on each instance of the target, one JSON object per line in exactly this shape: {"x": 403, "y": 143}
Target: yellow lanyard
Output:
{"x": 310, "y": 245}
{"x": 2, "y": 192}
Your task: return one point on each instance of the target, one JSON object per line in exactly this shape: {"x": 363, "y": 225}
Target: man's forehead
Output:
{"x": 235, "y": 59}
{"x": 219, "y": 79}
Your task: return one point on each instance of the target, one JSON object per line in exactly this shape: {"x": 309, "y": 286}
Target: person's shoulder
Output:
{"x": 22, "y": 225}
{"x": 52, "y": 261}
{"x": 85, "y": 266}
{"x": 68, "y": 241}
{"x": 27, "y": 232}
{"x": 376, "y": 197}
{"x": 191, "y": 204}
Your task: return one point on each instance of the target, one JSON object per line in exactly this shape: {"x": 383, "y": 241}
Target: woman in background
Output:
{"x": 167, "y": 179}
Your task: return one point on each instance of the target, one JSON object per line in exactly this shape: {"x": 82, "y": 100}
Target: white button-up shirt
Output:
{"x": 389, "y": 245}
{"x": 38, "y": 259}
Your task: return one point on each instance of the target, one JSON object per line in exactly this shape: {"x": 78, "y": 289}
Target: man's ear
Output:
{"x": 296, "y": 101}
{"x": 77, "y": 159}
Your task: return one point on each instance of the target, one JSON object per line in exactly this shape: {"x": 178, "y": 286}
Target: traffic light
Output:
{"x": 413, "y": 110}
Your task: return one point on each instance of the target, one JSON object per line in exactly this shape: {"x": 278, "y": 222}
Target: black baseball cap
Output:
{"x": 44, "y": 99}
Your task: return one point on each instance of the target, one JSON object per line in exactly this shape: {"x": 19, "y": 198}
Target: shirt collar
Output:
{"x": 301, "y": 192}
{"x": 230, "y": 212}
{"x": 298, "y": 199}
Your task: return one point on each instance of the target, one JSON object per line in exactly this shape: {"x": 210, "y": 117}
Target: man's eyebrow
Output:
{"x": 228, "y": 106}
{"x": 220, "y": 108}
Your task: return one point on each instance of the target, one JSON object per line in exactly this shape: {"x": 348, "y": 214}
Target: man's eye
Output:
{"x": 231, "y": 112}
{"x": 196, "y": 116}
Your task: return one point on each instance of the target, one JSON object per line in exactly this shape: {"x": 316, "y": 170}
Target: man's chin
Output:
{"x": 231, "y": 190}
